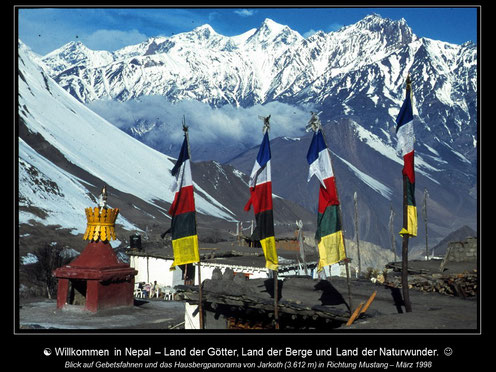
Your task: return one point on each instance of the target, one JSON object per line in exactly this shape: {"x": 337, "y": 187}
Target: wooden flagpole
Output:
{"x": 424, "y": 215}
{"x": 299, "y": 224}
{"x": 404, "y": 246}
{"x": 200, "y": 292}
{"x": 200, "y": 295}
{"x": 316, "y": 125}
{"x": 404, "y": 251}
{"x": 355, "y": 198}
{"x": 276, "y": 299}
{"x": 346, "y": 261}
{"x": 391, "y": 231}
{"x": 266, "y": 128}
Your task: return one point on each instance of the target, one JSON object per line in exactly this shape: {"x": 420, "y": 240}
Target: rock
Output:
{"x": 228, "y": 274}
{"x": 217, "y": 274}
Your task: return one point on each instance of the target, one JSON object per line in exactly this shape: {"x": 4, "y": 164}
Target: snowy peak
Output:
{"x": 374, "y": 22}
{"x": 271, "y": 32}
{"x": 67, "y": 152}
{"x": 204, "y": 36}
{"x": 205, "y": 31}
{"x": 358, "y": 70}
{"x": 74, "y": 54}
{"x": 389, "y": 32}
{"x": 67, "y": 147}
{"x": 270, "y": 26}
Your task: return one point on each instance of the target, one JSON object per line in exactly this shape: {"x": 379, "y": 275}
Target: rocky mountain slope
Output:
{"x": 353, "y": 77}
{"x": 67, "y": 153}
{"x": 357, "y": 71}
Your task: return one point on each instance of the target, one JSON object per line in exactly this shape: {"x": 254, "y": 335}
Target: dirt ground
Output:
{"x": 430, "y": 311}
{"x": 39, "y": 313}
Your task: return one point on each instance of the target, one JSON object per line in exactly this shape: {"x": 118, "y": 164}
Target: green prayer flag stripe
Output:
{"x": 265, "y": 225}
{"x": 328, "y": 222}
{"x": 410, "y": 192}
{"x": 183, "y": 225}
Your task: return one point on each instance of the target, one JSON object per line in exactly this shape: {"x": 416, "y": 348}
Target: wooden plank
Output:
{"x": 362, "y": 308}
{"x": 369, "y": 301}
{"x": 354, "y": 315}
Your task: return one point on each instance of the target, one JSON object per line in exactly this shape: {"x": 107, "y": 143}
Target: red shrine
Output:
{"x": 96, "y": 279}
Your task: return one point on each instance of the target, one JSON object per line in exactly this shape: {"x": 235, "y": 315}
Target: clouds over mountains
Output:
{"x": 158, "y": 121}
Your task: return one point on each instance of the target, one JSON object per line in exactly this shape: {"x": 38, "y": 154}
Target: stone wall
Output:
{"x": 463, "y": 251}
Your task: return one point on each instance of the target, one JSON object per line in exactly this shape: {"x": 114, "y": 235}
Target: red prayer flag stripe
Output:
{"x": 408, "y": 167}
{"x": 328, "y": 195}
{"x": 261, "y": 197}
{"x": 184, "y": 201}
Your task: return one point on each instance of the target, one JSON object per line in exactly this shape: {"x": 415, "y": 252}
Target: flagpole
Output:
{"x": 274, "y": 272}
{"x": 424, "y": 215}
{"x": 404, "y": 246}
{"x": 276, "y": 299}
{"x": 200, "y": 292}
{"x": 355, "y": 198}
{"x": 404, "y": 251}
{"x": 391, "y": 231}
{"x": 267, "y": 242}
{"x": 299, "y": 224}
{"x": 319, "y": 126}
{"x": 344, "y": 242}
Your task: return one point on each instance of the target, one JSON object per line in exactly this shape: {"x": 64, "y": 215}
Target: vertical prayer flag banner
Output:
{"x": 329, "y": 234}
{"x": 182, "y": 210}
{"x": 406, "y": 140}
{"x": 261, "y": 198}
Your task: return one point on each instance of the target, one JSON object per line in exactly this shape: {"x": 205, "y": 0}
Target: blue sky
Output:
{"x": 45, "y": 29}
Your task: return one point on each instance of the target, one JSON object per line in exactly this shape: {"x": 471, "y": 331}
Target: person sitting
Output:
{"x": 146, "y": 290}
{"x": 155, "y": 290}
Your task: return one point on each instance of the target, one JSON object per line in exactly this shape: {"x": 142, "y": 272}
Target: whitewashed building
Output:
{"x": 153, "y": 264}
{"x": 153, "y": 267}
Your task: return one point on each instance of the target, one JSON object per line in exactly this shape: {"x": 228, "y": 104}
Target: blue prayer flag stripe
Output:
{"x": 316, "y": 146}
{"x": 264, "y": 152}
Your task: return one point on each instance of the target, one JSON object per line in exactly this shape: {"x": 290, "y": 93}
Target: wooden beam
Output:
{"x": 354, "y": 315}
{"x": 369, "y": 301}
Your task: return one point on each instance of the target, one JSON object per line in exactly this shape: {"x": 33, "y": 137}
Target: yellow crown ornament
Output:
{"x": 101, "y": 220}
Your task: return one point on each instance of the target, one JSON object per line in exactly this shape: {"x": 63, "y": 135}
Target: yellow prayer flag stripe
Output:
{"x": 270, "y": 252}
{"x": 411, "y": 228}
{"x": 331, "y": 249}
{"x": 185, "y": 251}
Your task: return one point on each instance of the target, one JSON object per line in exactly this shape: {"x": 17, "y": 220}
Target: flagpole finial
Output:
{"x": 266, "y": 122}
{"x": 185, "y": 127}
{"x": 314, "y": 123}
{"x": 102, "y": 199}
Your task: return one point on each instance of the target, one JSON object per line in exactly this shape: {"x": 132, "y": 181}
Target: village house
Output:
{"x": 153, "y": 262}
{"x": 234, "y": 259}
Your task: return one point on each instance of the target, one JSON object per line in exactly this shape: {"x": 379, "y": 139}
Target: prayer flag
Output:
{"x": 406, "y": 140}
{"x": 261, "y": 198}
{"x": 329, "y": 234}
{"x": 182, "y": 210}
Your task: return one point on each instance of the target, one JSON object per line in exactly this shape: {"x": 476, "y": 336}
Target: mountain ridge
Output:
{"x": 353, "y": 77}
{"x": 67, "y": 154}
{"x": 357, "y": 70}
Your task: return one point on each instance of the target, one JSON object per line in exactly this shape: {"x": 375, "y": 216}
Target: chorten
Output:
{"x": 96, "y": 278}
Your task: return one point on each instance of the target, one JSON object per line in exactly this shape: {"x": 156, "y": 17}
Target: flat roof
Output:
{"x": 225, "y": 252}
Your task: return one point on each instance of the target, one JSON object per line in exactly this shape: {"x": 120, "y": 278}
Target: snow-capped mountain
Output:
{"x": 354, "y": 77}
{"x": 200, "y": 65}
{"x": 364, "y": 164}
{"x": 358, "y": 71}
{"x": 84, "y": 139}
{"x": 67, "y": 153}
